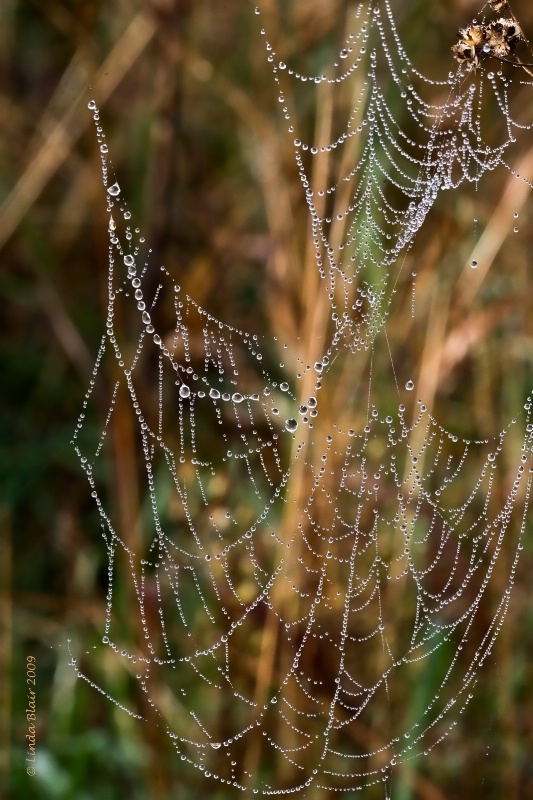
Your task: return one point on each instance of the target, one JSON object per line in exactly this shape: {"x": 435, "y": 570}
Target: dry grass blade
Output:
{"x": 56, "y": 148}
{"x": 514, "y": 197}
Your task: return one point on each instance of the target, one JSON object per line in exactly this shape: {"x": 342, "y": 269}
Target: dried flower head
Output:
{"x": 470, "y": 45}
{"x": 498, "y": 40}
{"x": 509, "y": 30}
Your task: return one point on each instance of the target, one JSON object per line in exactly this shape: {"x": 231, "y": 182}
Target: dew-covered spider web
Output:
{"x": 308, "y": 542}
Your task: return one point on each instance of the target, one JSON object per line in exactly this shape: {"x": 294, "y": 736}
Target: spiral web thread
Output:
{"x": 287, "y": 545}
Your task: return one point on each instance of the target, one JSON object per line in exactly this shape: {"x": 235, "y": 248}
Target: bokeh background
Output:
{"x": 193, "y": 128}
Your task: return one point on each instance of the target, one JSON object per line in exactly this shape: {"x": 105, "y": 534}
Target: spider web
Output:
{"x": 272, "y": 573}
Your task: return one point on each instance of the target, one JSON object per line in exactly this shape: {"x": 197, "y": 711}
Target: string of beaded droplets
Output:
{"x": 451, "y": 150}
{"x": 381, "y": 496}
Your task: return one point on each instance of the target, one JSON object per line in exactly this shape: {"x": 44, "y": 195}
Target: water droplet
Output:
{"x": 129, "y": 261}
{"x": 113, "y": 190}
{"x": 184, "y": 390}
{"x": 409, "y": 386}
{"x": 291, "y": 425}
{"x": 473, "y": 264}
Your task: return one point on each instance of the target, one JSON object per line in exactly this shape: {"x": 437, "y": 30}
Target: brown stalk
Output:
{"x": 129, "y": 529}
{"x": 311, "y": 331}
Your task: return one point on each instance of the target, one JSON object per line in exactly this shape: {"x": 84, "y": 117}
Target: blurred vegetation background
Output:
{"x": 192, "y": 124}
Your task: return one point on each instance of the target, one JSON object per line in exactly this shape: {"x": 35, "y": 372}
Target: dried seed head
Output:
{"x": 509, "y": 30}
{"x": 496, "y": 40}
{"x": 469, "y": 47}
{"x": 465, "y": 52}
{"x": 475, "y": 35}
